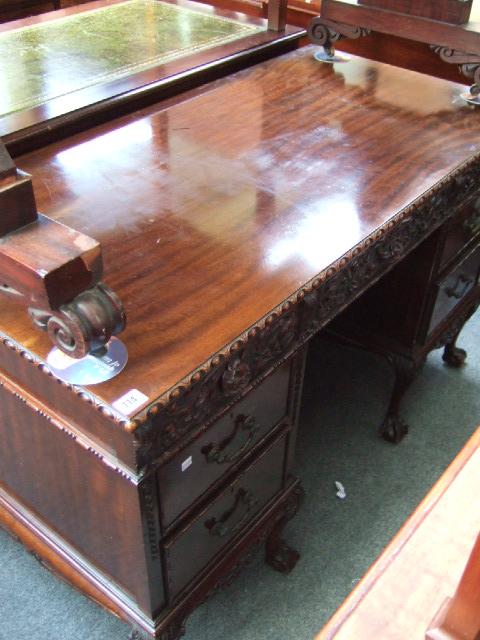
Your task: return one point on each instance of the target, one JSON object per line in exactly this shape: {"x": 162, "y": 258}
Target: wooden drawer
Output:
{"x": 461, "y": 231}
{"x": 227, "y": 441}
{"x": 452, "y": 289}
{"x": 192, "y": 548}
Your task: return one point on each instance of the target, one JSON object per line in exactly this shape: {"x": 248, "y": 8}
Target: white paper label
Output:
{"x": 130, "y": 401}
{"x": 186, "y": 463}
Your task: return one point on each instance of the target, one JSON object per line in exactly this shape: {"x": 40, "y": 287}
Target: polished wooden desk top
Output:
{"x": 217, "y": 210}
{"x": 402, "y": 592}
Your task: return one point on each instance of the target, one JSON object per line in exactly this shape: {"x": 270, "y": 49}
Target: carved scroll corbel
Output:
{"x": 53, "y": 270}
{"x": 326, "y": 32}
{"x": 85, "y": 324}
{"x": 468, "y": 64}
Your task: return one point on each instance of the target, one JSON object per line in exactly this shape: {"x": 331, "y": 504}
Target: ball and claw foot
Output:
{"x": 281, "y": 557}
{"x": 393, "y": 429}
{"x": 454, "y": 356}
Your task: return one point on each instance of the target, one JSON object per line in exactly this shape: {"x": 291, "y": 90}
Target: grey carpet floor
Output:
{"x": 346, "y": 394}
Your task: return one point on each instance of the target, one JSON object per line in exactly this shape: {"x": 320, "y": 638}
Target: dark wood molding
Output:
{"x": 69, "y": 431}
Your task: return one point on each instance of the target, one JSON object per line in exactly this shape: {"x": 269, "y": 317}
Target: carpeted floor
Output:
{"x": 345, "y": 396}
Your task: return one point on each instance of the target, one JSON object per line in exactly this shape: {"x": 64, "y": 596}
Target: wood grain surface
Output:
{"x": 214, "y": 211}
{"x": 422, "y": 566}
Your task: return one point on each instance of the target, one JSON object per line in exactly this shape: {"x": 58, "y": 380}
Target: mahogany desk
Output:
{"x": 236, "y": 221}
{"x": 401, "y": 593}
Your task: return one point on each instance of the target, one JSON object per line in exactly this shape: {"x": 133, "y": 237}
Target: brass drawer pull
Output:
{"x": 460, "y": 288}
{"x": 217, "y": 453}
{"x": 218, "y": 527}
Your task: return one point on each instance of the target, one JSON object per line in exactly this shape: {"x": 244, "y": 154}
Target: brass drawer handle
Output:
{"x": 460, "y": 288}
{"x": 218, "y": 527}
{"x": 217, "y": 453}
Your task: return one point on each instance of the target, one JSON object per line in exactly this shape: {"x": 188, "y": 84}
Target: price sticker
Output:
{"x": 130, "y": 401}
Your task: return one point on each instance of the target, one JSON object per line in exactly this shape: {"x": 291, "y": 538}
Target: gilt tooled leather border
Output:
{"x": 223, "y": 378}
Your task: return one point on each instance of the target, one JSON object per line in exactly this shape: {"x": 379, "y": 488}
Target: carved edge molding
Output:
{"x": 228, "y": 373}
{"x": 83, "y": 441}
{"x": 80, "y": 392}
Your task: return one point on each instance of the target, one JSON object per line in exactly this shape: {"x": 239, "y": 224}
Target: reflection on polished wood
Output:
{"x": 217, "y": 225}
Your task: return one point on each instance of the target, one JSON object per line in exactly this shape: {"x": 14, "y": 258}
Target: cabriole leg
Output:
{"x": 394, "y": 428}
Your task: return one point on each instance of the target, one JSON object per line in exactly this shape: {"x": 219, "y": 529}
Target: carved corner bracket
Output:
{"x": 53, "y": 270}
{"x": 468, "y": 64}
{"x": 326, "y": 33}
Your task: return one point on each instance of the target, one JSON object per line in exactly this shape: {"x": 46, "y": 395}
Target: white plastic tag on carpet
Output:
{"x": 341, "y": 493}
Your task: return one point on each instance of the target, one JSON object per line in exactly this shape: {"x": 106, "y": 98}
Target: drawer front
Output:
{"x": 454, "y": 287}
{"x": 461, "y": 230}
{"x": 191, "y": 549}
{"x": 198, "y": 466}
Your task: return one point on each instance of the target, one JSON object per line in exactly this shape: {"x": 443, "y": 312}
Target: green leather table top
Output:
{"x": 61, "y": 56}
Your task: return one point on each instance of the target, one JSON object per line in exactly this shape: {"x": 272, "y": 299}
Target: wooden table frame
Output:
{"x": 454, "y": 43}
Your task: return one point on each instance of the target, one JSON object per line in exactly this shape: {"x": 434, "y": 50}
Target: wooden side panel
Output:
{"x": 94, "y": 507}
{"x": 75, "y": 405}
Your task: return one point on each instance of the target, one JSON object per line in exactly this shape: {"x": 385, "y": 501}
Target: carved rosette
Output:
{"x": 236, "y": 377}
{"x": 213, "y": 390}
{"x": 326, "y": 33}
{"x": 85, "y": 324}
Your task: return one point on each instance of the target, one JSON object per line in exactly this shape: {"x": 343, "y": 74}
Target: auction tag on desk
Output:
{"x": 130, "y": 401}
{"x": 91, "y": 369}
